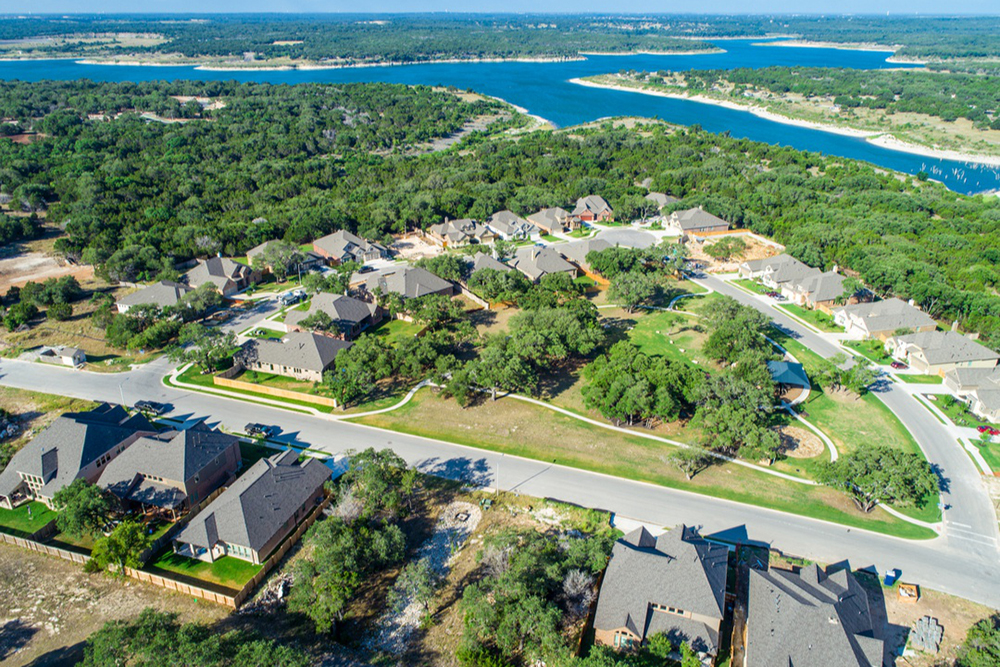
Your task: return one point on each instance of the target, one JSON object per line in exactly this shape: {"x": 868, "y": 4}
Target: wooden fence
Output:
{"x": 55, "y": 552}
{"x": 273, "y": 391}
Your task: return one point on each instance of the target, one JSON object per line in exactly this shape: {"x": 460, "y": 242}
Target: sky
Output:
{"x": 525, "y": 6}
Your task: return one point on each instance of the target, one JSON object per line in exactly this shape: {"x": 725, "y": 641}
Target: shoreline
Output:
{"x": 703, "y": 52}
{"x": 880, "y": 139}
{"x": 212, "y": 67}
{"x": 840, "y": 46}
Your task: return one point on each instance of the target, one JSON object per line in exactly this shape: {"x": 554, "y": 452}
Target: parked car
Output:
{"x": 254, "y": 429}
{"x": 898, "y": 365}
{"x": 151, "y": 406}
{"x": 982, "y": 429}
{"x": 366, "y": 269}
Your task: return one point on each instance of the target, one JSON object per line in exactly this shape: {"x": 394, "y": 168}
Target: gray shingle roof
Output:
{"x": 70, "y": 443}
{"x": 217, "y": 271}
{"x": 163, "y": 294}
{"x": 342, "y": 243}
{"x": 678, "y": 569}
{"x": 535, "y": 262}
{"x": 408, "y": 281}
{"x": 172, "y": 455}
{"x": 774, "y": 263}
{"x": 661, "y": 199}
{"x": 484, "y": 261}
{"x": 820, "y": 287}
{"x": 576, "y": 251}
{"x": 694, "y": 219}
{"x": 258, "y": 504}
{"x": 509, "y": 223}
{"x": 942, "y": 347}
{"x": 889, "y": 315}
{"x": 300, "y": 349}
{"x": 810, "y": 619}
{"x": 549, "y": 218}
{"x": 339, "y": 307}
{"x": 967, "y": 379}
{"x": 592, "y": 203}
{"x": 461, "y": 230}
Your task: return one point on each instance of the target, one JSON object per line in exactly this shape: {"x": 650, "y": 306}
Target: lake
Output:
{"x": 544, "y": 89}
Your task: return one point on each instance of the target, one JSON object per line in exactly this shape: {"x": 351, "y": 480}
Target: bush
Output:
{"x": 59, "y": 312}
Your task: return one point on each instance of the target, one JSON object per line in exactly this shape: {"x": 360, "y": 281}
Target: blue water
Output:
{"x": 544, "y": 89}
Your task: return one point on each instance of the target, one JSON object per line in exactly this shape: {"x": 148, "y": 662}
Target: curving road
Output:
{"x": 970, "y": 521}
{"x": 944, "y": 563}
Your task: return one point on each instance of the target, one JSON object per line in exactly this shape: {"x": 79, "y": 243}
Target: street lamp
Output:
{"x": 498, "y": 475}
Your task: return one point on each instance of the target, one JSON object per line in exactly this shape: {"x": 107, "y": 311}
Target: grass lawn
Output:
{"x": 522, "y": 429}
{"x": 582, "y": 232}
{"x": 261, "y": 332}
{"x": 817, "y": 318}
{"x": 920, "y": 379}
{"x": 670, "y": 335}
{"x": 990, "y": 452}
{"x": 958, "y": 412}
{"x": 251, "y": 452}
{"x": 227, "y": 571}
{"x": 396, "y": 330}
{"x": 872, "y": 350}
{"x": 550, "y": 238}
{"x": 18, "y": 521}
{"x": 193, "y": 375}
{"x": 751, "y": 285}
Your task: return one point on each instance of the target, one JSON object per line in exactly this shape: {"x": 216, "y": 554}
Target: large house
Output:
{"x": 592, "y": 208}
{"x": 577, "y": 251}
{"x": 881, "y": 319}
{"x": 410, "y": 282}
{"x": 536, "y": 262}
{"x": 299, "y": 355}
{"x": 343, "y": 246}
{"x": 226, "y": 275}
{"x": 457, "y": 233}
{"x": 937, "y": 352}
{"x": 163, "y": 294}
{"x": 310, "y": 259}
{"x": 810, "y": 619}
{"x": 980, "y": 387}
{"x": 821, "y": 290}
{"x": 74, "y": 446}
{"x": 172, "y": 471}
{"x": 775, "y": 272}
{"x": 551, "y": 220}
{"x": 696, "y": 221}
{"x": 674, "y": 584}
{"x": 511, "y": 227}
{"x": 263, "y": 506}
{"x": 350, "y": 315}
{"x": 661, "y": 200}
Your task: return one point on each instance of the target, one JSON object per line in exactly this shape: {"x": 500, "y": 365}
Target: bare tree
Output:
{"x": 578, "y": 587}
{"x": 496, "y": 560}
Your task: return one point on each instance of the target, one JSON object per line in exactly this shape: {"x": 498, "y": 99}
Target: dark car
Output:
{"x": 898, "y": 365}
{"x": 151, "y": 406}
{"x": 254, "y": 429}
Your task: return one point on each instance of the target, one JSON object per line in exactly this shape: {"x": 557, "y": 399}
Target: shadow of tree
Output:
{"x": 15, "y": 635}
{"x": 474, "y": 472}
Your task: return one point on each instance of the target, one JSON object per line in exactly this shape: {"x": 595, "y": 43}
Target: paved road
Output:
{"x": 971, "y": 522}
{"x": 936, "y": 563}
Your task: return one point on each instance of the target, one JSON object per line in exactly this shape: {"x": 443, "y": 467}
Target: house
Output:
{"x": 173, "y": 471}
{"x": 227, "y": 275}
{"x": 164, "y": 294}
{"x": 661, "y": 200}
{"x": 343, "y": 246}
{"x": 819, "y": 290}
{"x": 63, "y": 356}
{"x": 311, "y": 260}
{"x": 457, "y": 233}
{"x": 937, "y": 352}
{"x": 810, "y": 619}
{"x": 512, "y": 227}
{"x": 592, "y": 208}
{"x": 352, "y": 316}
{"x": 300, "y": 355}
{"x": 74, "y": 446}
{"x": 755, "y": 269}
{"x": 985, "y": 404}
{"x": 263, "y": 506}
{"x": 483, "y": 261}
{"x": 577, "y": 251}
{"x": 410, "y": 282}
{"x": 881, "y": 319}
{"x": 536, "y": 262}
{"x": 788, "y": 375}
{"x": 696, "y": 221}
{"x": 673, "y": 584}
{"x": 552, "y": 220}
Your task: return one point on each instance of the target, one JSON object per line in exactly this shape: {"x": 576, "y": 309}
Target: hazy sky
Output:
{"x": 662, "y": 6}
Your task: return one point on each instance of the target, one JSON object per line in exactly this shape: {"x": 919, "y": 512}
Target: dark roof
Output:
{"x": 535, "y": 262}
{"x": 339, "y": 307}
{"x": 593, "y": 203}
{"x": 342, "y": 243}
{"x": 70, "y": 443}
{"x": 697, "y": 218}
{"x": 300, "y": 349}
{"x": 484, "y": 261}
{"x": 172, "y": 455}
{"x": 216, "y": 270}
{"x": 577, "y": 251}
{"x": 810, "y": 619}
{"x": 164, "y": 293}
{"x": 788, "y": 373}
{"x": 258, "y": 504}
{"x": 407, "y": 281}
{"x": 677, "y": 569}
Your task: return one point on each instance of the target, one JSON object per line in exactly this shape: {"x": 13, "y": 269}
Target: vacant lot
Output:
{"x": 38, "y": 266}
{"x": 48, "y": 607}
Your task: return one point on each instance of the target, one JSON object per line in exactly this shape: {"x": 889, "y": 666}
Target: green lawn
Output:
{"x": 751, "y": 285}
{"x": 958, "y": 412}
{"x": 872, "y": 350}
{"x": 193, "y": 375}
{"x": 550, "y": 238}
{"x": 581, "y": 233}
{"x": 990, "y": 452}
{"x": 396, "y": 330}
{"x": 19, "y": 522}
{"x": 227, "y": 571}
{"x": 920, "y": 379}
{"x": 261, "y": 332}
{"x": 251, "y": 452}
{"x": 671, "y": 335}
{"x": 817, "y": 318}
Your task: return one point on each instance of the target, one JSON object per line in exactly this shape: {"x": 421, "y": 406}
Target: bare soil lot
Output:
{"x": 413, "y": 247}
{"x": 37, "y": 266}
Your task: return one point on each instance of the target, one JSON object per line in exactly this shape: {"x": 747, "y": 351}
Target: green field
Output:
{"x": 26, "y": 519}
{"x": 227, "y": 571}
{"x": 872, "y": 350}
{"x": 396, "y": 330}
{"x": 817, "y": 318}
{"x": 751, "y": 286}
{"x": 920, "y": 379}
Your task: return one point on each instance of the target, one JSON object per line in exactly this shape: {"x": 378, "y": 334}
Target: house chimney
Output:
{"x": 836, "y": 269}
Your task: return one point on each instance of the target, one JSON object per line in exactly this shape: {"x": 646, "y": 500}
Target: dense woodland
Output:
{"x": 279, "y": 161}
{"x": 945, "y": 95}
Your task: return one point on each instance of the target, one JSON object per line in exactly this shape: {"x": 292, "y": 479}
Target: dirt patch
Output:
{"x": 798, "y": 443}
{"x": 755, "y": 250}
{"x": 38, "y": 266}
{"x": 54, "y": 606}
{"x": 414, "y": 247}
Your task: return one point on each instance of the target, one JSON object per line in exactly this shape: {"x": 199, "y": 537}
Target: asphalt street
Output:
{"x": 943, "y": 564}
